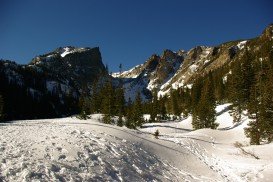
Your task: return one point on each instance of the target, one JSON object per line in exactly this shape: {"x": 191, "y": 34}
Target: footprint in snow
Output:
{"x": 59, "y": 149}
{"x": 62, "y": 157}
{"x": 2, "y": 149}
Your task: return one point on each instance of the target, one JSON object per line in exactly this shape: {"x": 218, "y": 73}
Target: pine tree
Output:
{"x": 1, "y": 107}
{"x": 185, "y": 101}
{"x": 129, "y": 114}
{"x": 261, "y": 106}
{"x": 138, "y": 119}
{"x": 108, "y": 102}
{"x": 95, "y": 98}
{"x": 154, "y": 107}
{"x": 219, "y": 90}
{"x": 195, "y": 99}
{"x": 162, "y": 108}
{"x": 120, "y": 100}
{"x": 267, "y": 114}
{"x": 174, "y": 103}
{"x": 120, "y": 68}
{"x": 204, "y": 115}
{"x": 240, "y": 83}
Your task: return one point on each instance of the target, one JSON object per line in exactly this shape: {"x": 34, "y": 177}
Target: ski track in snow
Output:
{"x": 69, "y": 149}
{"x": 223, "y": 168}
{"x": 215, "y": 163}
{"x": 48, "y": 151}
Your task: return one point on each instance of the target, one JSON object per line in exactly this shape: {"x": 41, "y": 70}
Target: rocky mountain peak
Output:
{"x": 152, "y": 62}
{"x": 195, "y": 52}
{"x": 168, "y": 54}
{"x": 268, "y": 32}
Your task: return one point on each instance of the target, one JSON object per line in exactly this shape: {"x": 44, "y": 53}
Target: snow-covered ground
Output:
{"x": 225, "y": 150}
{"x": 70, "y": 149}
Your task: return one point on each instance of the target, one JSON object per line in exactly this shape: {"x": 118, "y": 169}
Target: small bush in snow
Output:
{"x": 156, "y": 134}
{"x": 83, "y": 116}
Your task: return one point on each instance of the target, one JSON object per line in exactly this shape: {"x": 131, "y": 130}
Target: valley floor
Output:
{"x": 70, "y": 149}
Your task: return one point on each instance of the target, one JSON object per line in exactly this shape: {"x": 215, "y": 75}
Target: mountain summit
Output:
{"x": 172, "y": 69}
{"x": 51, "y": 84}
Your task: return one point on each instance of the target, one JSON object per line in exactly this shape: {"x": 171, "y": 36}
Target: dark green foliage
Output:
{"x": 154, "y": 107}
{"x": 156, "y": 134}
{"x": 120, "y": 105}
{"x": 261, "y": 106}
{"x": 108, "y": 107}
{"x": 162, "y": 108}
{"x": 83, "y": 115}
{"x": 185, "y": 101}
{"x": 204, "y": 114}
{"x": 138, "y": 119}
{"x": 32, "y": 99}
{"x": 240, "y": 83}
{"x": 129, "y": 114}
{"x": 107, "y": 118}
{"x": 174, "y": 103}
{"x": 134, "y": 114}
{"x": 85, "y": 105}
{"x": 1, "y": 108}
{"x": 95, "y": 103}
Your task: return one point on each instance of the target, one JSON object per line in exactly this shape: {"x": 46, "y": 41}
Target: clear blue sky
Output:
{"x": 126, "y": 31}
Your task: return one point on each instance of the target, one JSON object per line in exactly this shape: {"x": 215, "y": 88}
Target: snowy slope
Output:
{"x": 155, "y": 72}
{"x": 225, "y": 150}
{"x": 69, "y": 149}
{"x": 73, "y": 150}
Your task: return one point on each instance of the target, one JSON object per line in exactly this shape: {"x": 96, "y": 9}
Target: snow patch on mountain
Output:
{"x": 206, "y": 61}
{"x": 193, "y": 68}
{"x": 131, "y": 73}
{"x": 241, "y": 44}
{"x": 67, "y": 50}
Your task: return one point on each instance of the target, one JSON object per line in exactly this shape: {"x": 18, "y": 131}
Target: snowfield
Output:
{"x": 70, "y": 149}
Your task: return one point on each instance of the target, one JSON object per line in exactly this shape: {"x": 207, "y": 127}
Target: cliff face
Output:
{"x": 177, "y": 69}
{"x": 50, "y": 85}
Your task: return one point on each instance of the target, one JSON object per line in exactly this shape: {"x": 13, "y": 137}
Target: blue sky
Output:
{"x": 126, "y": 31}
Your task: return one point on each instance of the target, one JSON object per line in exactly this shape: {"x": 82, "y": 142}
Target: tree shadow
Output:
{"x": 132, "y": 134}
{"x": 157, "y": 125}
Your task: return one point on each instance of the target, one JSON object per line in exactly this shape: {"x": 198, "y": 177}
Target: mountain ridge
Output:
{"x": 64, "y": 74}
{"x": 198, "y": 61}
{"x": 51, "y": 84}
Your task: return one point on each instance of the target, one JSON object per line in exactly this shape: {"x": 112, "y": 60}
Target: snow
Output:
{"x": 225, "y": 79}
{"x": 189, "y": 86}
{"x": 193, "y": 68}
{"x": 241, "y": 44}
{"x": 132, "y": 73}
{"x": 69, "y": 149}
{"x": 217, "y": 148}
{"x": 66, "y": 51}
{"x": 49, "y": 56}
{"x": 206, "y": 61}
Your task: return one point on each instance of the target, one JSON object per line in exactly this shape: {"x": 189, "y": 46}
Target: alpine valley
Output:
{"x": 205, "y": 114}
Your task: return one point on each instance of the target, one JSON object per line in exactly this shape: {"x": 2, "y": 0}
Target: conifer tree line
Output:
{"x": 1, "y": 108}
{"x": 110, "y": 101}
{"x": 246, "y": 82}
